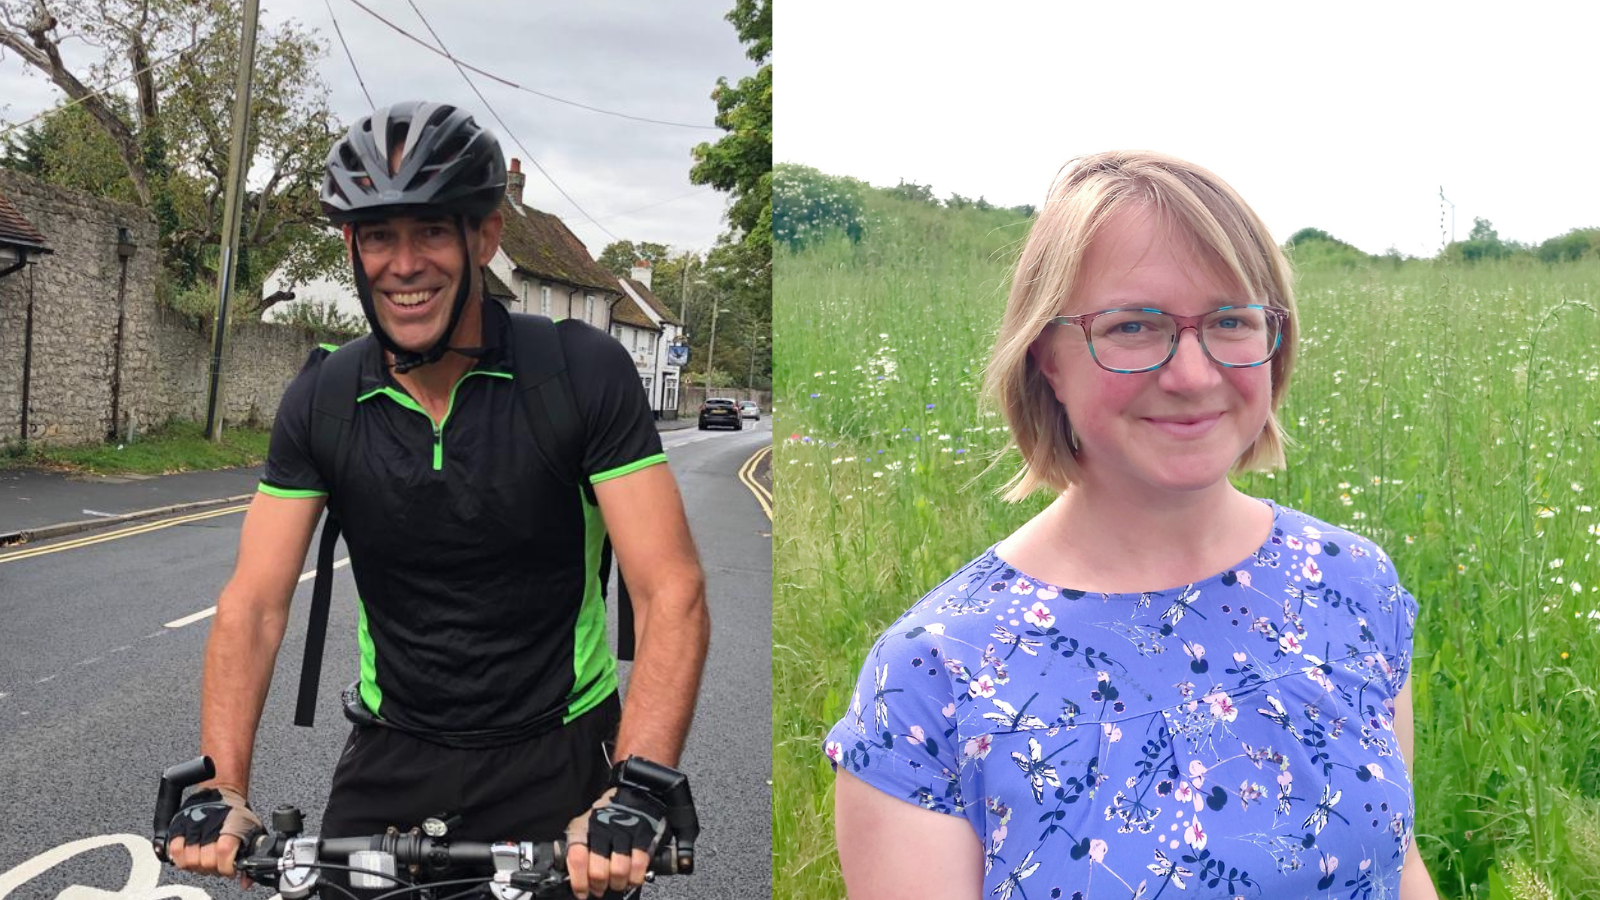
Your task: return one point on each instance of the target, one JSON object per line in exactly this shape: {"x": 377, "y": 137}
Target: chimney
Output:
{"x": 641, "y": 272}
{"x": 514, "y": 181}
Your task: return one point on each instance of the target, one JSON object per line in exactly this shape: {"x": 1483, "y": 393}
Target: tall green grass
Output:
{"x": 1450, "y": 413}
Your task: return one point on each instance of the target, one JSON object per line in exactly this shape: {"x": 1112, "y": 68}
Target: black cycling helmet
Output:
{"x": 447, "y": 164}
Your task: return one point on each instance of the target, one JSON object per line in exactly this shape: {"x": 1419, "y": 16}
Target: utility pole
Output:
{"x": 1452, "y": 215}
{"x": 238, "y": 166}
{"x": 683, "y": 306}
{"x": 711, "y": 352}
{"x": 755, "y": 341}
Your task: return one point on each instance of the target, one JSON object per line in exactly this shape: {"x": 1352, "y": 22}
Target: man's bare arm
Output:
{"x": 251, "y": 616}
{"x": 245, "y": 635}
{"x": 650, "y": 536}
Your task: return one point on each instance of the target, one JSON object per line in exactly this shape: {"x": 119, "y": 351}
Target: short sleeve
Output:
{"x": 620, "y": 427}
{"x": 1405, "y": 624}
{"x": 898, "y": 733}
{"x": 289, "y": 470}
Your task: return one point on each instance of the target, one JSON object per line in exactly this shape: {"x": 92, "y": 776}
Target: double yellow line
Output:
{"x": 747, "y": 475}
{"x": 120, "y": 533}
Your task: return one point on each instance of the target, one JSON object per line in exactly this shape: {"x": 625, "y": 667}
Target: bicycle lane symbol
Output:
{"x": 143, "y": 877}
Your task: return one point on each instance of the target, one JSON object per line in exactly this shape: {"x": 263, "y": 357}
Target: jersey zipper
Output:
{"x": 408, "y": 402}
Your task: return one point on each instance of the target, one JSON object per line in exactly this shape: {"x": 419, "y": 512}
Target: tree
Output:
{"x": 619, "y": 257}
{"x": 1575, "y": 244}
{"x": 1310, "y": 234}
{"x": 910, "y": 190}
{"x": 322, "y": 317}
{"x": 172, "y": 136}
{"x": 1483, "y": 243}
{"x": 68, "y": 148}
{"x": 739, "y": 268}
{"x": 741, "y": 161}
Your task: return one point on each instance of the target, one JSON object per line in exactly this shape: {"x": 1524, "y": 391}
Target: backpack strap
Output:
{"x": 333, "y": 410}
{"x": 558, "y": 431}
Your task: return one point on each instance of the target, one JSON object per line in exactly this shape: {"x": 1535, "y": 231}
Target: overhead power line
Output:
{"x": 507, "y": 128}
{"x": 629, "y": 212}
{"x": 101, "y": 90}
{"x": 348, "y": 55}
{"x": 441, "y": 51}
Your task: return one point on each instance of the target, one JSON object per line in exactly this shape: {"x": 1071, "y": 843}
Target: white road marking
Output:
{"x": 193, "y": 617}
{"x": 46, "y": 678}
{"x": 338, "y": 564}
{"x": 144, "y": 875}
{"x": 210, "y": 611}
{"x": 96, "y": 512}
{"x": 119, "y": 649}
{"x": 91, "y": 661}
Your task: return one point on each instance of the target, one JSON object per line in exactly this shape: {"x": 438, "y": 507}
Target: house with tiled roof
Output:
{"x": 546, "y": 268}
{"x": 18, "y": 238}
{"x": 655, "y": 338}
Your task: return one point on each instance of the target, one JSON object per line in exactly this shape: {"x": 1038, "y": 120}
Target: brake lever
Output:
{"x": 174, "y": 781}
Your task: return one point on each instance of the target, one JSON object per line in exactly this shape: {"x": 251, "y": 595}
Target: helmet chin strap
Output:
{"x": 406, "y": 360}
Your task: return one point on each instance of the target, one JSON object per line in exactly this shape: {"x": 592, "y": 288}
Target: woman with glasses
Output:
{"x": 1159, "y": 685}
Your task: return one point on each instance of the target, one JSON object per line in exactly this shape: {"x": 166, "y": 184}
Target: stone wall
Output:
{"x": 164, "y": 357}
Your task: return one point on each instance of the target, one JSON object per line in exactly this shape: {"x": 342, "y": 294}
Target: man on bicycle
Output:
{"x": 486, "y": 678}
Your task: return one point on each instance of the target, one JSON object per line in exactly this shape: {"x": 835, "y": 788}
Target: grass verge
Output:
{"x": 175, "y": 447}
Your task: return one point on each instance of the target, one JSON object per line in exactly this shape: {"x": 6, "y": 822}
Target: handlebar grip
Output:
{"x": 664, "y": 862}
{"x": 174, "y": 780}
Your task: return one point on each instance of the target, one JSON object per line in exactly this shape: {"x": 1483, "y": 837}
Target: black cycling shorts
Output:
{"x": 526, "y": 791}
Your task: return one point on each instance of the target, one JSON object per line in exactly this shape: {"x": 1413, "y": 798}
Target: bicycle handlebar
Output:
{"x": 292, "y": 863}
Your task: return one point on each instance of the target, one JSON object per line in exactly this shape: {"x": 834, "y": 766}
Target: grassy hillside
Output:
{"x": 1450, "y": 412}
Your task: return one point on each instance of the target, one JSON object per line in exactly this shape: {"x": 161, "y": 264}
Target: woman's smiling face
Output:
{"x": 1183, "y": 426}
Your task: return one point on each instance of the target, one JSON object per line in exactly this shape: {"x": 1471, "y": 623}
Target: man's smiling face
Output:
{"x": 415, "y": 266}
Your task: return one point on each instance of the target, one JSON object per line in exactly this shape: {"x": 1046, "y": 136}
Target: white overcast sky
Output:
{"x": 1347, "y": 117}
{"x": 660, "y": 61}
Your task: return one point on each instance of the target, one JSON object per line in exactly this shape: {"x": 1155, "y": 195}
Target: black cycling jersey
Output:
{"x": 478, "y": 569}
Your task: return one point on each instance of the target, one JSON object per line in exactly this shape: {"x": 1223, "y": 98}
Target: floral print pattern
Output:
{"x": 1229, "y": 738}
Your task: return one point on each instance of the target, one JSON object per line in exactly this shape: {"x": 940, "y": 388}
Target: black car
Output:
{"x": 720, "y": 411}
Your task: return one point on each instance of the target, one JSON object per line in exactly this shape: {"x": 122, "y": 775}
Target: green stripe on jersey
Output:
{"x": 288, "y": 493}
{"x": 594, "y": 669}
{"x": 371, "y": 694}
{"x": 630, "y": 468}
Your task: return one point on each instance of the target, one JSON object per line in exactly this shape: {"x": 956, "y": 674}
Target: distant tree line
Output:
{"x": 808, "y": 204}
{"x": 1483, "y": 243}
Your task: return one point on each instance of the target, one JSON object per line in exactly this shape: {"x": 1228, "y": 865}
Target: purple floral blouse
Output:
{"x": 1230, "y": 738}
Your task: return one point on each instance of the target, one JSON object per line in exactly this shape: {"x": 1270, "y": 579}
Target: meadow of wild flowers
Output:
{"x": 1449, "y": 412}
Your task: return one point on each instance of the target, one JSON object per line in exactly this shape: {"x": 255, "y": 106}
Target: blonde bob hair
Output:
{"x": 1088, "y": 192}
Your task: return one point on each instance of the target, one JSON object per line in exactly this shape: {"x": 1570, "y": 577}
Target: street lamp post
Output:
{"x": 756, "y": 341}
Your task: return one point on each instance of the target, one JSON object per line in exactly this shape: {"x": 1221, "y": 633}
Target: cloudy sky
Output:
{"x": 658, "y": 61}
{"x": 1346, "y": 117}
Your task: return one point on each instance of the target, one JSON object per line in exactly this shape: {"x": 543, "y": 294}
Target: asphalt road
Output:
{"x": 98, "y": 694}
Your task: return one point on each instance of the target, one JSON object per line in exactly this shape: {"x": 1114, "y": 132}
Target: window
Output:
{"x": 544, "y": 300}
{"x": 588, "y": 307}
{"x": 646, "y": 379}
{"x": 669, "y": 391}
